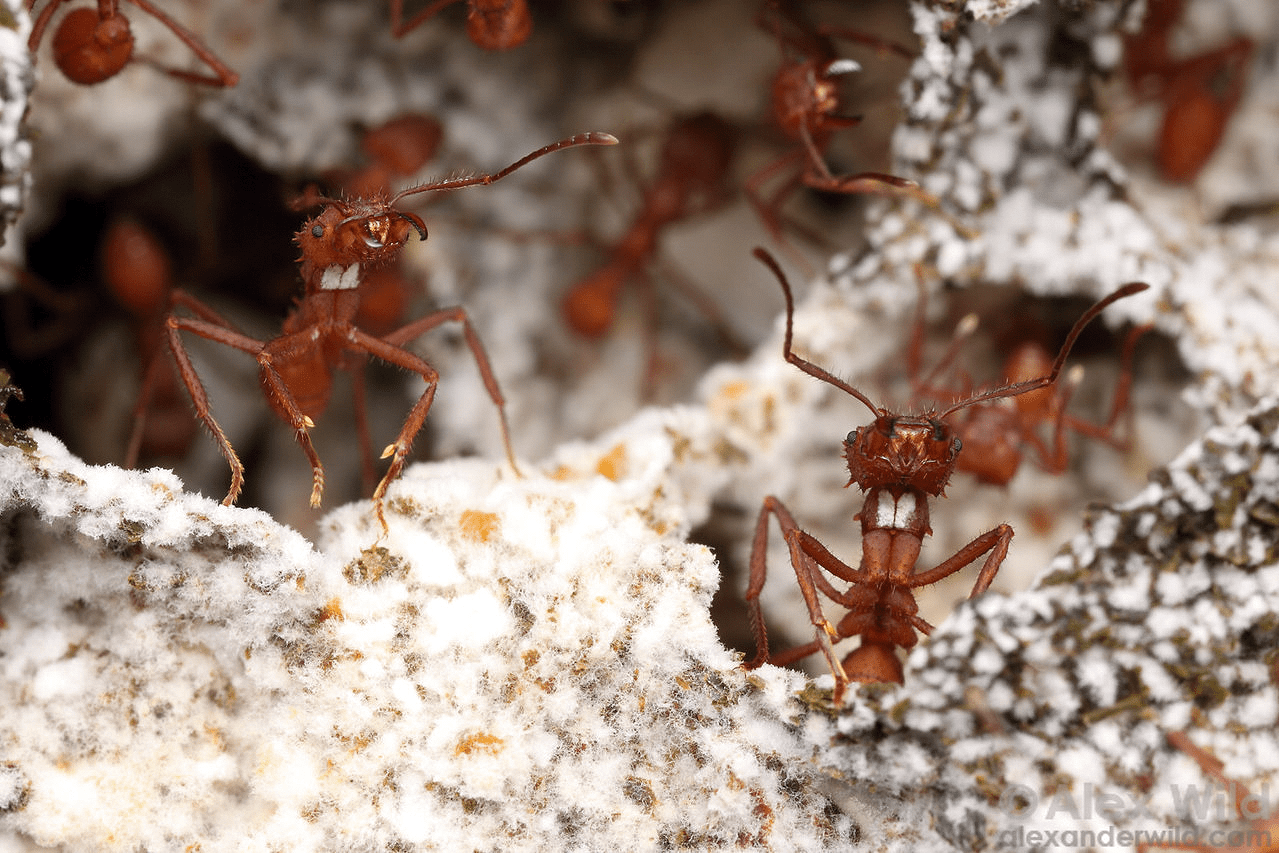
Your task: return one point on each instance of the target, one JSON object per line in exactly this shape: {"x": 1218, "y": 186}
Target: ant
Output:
{"x": 91, "y": 46}
{"x": 693, "y": 168}
{"x": 805, "y": 102}
{"x": 491, "y": 24}
{"x": 1258, "y": 833}
{"x": 138, "y": 272}
{"x": 899, "y": 461}
{"x": 1199, "y": 93}
{"x": 339, "y": 246}
{"x": 995, "y": 433}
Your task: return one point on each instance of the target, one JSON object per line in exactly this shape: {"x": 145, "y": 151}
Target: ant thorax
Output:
{"x": 911, "y": 451}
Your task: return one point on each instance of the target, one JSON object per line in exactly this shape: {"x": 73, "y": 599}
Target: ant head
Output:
{"x": 905, "y": 450}
{"x": 368, "y": 232}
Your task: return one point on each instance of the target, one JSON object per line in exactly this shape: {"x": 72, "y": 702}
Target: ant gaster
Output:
{"x": 899, "y": 461}
{"x": 91, "y": 46}
{"x": 339, "y": 245}
{"x": 490, "y": 24}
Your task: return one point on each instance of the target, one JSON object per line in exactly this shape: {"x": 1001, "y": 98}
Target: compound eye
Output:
{"x": 317, "y": 231}
{"x": 956, "y": 446}
{"x": 851, "y": 438}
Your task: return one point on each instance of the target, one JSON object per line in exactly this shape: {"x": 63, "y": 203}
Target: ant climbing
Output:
{"x": 805, "y": 102}
{"x": 899, "y": 461}
{"x": 1257, "y": 833}
{"x": 490, "y": 24}
{"x": 1199, "y": 93}
{"x": 91, "y": 46}
{"x": 339, "y": 246}
{"x": 692, "y": 173}
{"x": 996, "y": 433}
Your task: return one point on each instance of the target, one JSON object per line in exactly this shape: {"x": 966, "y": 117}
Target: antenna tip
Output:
{"x": 599, "y": 138}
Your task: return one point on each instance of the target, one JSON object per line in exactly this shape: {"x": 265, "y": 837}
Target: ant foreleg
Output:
{"x": 398, "y": 338}
{"x": 995, "y": 541}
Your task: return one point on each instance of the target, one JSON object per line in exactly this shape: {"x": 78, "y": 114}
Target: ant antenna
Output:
{"x": 1018, "y": 388}
{"x": 803, "y": 364}
{"x": 592, "y": 138}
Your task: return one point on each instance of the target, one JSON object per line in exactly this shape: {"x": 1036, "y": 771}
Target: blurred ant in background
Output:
{"x": 692, "y": 178}
{"x": 998, "y": 433}
{"x": 806, "y": 107}
{"x": 1199, "y": 93}
{"x": 490, "y": 24}
{"x": 93, "y": 45}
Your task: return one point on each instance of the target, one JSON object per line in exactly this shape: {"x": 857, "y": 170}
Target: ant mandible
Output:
{"x": 92, "y": 46}
{"x": 899, "y": 461}
{"x": 339, "y": 246}
{"x": 490, "y": 24}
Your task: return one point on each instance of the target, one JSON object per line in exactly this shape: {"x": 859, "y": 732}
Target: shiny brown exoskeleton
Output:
{"x": 339, "y": 246}
{"x": 900, "y": 462}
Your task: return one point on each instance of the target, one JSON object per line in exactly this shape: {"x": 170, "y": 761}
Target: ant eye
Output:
{"x": 851, "y": 438}
{"x": 317, "y": 231}
{"x": 956, "y": 446}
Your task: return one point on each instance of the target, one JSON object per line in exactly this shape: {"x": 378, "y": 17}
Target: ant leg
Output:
{"x": 1119, "y": 403}
{"x": 368, "y": 474}
{"x": 400, "y": 29}
{"x": 768, "y": 209}
{"x": 702, "y": 301}
{"x": 222, "y": 75}
{"x": 995, "y": 541}
{"x": 150, "y": 377}
{"x": 804, "y": 574}
{"x": 398, "y": 338}
{"x": 37, "y": 28}
{"x": 211, "y": 327}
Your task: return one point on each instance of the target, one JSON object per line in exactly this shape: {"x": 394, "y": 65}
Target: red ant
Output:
{"x": 339, "y": 246}
{"x": 92, "y": 46}
{"x": 805, "y": 102}
{"x": 1199, "y": 93}
{"x": 899, "y": 461}
{"x": 1258, "y": 833}
{"x": 491, "y": 24}
{"x": 693, "y": 168}
{"x": 996, "y": 433}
